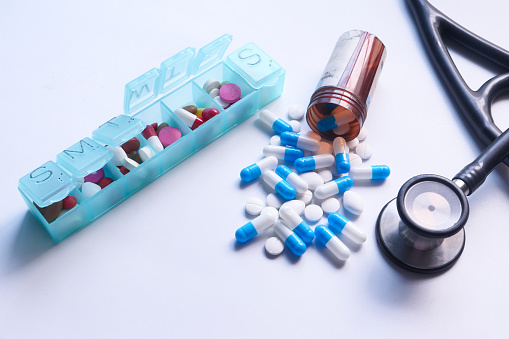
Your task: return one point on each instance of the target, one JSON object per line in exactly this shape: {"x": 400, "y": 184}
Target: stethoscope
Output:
{"x": 422, "y": 228}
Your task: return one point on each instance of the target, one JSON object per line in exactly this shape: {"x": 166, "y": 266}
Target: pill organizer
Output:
{"x": 152, "y": 97}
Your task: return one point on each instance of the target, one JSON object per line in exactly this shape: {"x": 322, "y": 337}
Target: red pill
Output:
{"x": 69, "y": 202}
{"x": 123, "y": 170}
{"x": 105, "y": 182}
{"x": 148, "y": 132}
{"x": 209, "y": 113}
{"x": 131, "y": 145}
{"x": 154, "y": 125}
{"x": 230, "y": 93}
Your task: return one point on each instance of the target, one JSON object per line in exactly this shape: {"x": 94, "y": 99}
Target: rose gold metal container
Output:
{"x": 340, "y": 103}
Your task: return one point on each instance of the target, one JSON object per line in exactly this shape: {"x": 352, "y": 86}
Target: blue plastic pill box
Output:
{"x": 152, "y": 97}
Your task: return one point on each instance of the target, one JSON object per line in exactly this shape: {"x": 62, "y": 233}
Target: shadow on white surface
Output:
{"x": 31, "y": 241}
{"x": 331, "y": 258}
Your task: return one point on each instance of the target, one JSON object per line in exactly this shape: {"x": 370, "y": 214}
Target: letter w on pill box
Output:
{"x": 150, "y": 99}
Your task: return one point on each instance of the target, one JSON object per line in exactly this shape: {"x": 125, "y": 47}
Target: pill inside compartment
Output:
{"x": 204, "y": 133}
{"x": 240, "y": 110}
{"x": 90, "y": 163}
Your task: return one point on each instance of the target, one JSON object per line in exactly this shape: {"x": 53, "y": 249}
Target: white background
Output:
{"x": 164, "y": 263}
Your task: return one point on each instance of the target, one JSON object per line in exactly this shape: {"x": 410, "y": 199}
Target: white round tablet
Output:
{"x": 313, "y": 179}
{"x": 254, "y": 206}
{"x": 364, "y": 150}
{"x": 325, "y": 174}
{"x": 295, "y": 126}
{"x": 330, "y": 205}
{"x": 296, "y": 112}
{"x": 274, "y": 200}
{"x": 275, "y": 140}
{"x": 274, "y": 246}
{"x": 363, "y": 134}
{"x": 296, "y": 205}
{"x": 355, "y": 160}
{"x": 214, "y": 93}
{"x": 352, "y": 143}
{"x": 325, "y": 148}
{"x": 313, "y": 213}
{"x": 353, "y": 202}
{"x": 305, "y": 197}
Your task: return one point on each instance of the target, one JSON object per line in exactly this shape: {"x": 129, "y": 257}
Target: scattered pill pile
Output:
{"x": 322, "y": 172}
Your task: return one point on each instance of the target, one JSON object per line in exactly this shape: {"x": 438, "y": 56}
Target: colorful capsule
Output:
{"x": 295, "y": 223}
{"x": 284, "y": 153}
{"x": 280, "y": 185}
{"x": 191, "y": 120}
{"x": 150, "y": 134}
{"x": 299, "y": 141}
{"x": 375, "y": 172}
{"x": 341, "y": 224}
{"x": 255, "y": 170}
{"x": 291, "y": 240}
{"x": 329, "y": 240}
{"x": 308, "y": 164}
{"x": 292, "y": 178}
{"x": 277, "y": 124}
{"x": 341, "y": 155}
{"x": 334, "y": 187}
{"x": 333, "y": 121}
{"x": 257, "y": 225}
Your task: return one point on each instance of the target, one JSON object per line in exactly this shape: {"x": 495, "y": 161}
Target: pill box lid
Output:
{"x": 141, "y": 91}
{"x": 210, "y": 54}
{"x": 118, "y": 130}
{"x": 243, "y": 60}
{"x": 46, "y": 184}
{"x": 175, "y": 70}
{"x": 84, "y": 157}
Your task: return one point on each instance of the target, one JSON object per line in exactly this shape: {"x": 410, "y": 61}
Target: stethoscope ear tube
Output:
{"x": 474, "y": 106}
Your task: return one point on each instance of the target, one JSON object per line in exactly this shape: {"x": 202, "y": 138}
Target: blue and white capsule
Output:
{"x": 299, "y": 141}
{"x": 285, "y": 190}
{"x": 255, "y": 170}
{"x": 257, "y": 225}
{"x": 308, "y": 164}
{"x": 291, "y": 240}
{"x": 325, "y": 236}
{"x": 340, "y": 224}
{"x": 341, "y": 155}
{"x": 292, "y": 178}
{"x": 333, "y": 187}
{"x": 375, "y": 172}
{"x": 335, "y": 120}
{"x": 277, "y": 124}
{"x": 295, "y": 223}
{"x": 288, "y": 154}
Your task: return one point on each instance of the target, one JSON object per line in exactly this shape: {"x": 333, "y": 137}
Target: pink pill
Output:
{"x": 95, "y": 176}
{"x": 169, "y": 135}
{"x": 230, "y": 93}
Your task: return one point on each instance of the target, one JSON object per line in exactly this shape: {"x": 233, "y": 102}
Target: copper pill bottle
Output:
{"x": 339, "y": 105}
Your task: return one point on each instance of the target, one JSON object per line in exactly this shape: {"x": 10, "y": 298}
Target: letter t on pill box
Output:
{"x": 153, "y": 97}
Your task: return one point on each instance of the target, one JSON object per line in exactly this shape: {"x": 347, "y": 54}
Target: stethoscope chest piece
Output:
{"x": 422, "y": 229}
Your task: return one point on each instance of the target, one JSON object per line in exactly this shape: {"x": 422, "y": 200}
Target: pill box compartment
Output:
{"x": 154, "y": 97}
